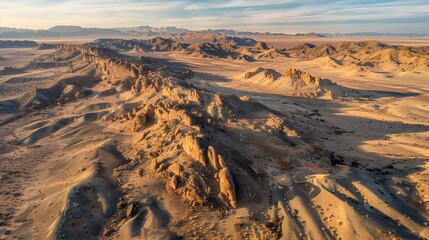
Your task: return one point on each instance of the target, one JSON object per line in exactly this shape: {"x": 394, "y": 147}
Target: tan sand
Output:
{"x": 292, "y": 41}
{"x": 97, "y": 144}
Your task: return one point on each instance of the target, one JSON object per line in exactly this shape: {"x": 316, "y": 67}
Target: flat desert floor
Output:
{"x": 351, "y": 167}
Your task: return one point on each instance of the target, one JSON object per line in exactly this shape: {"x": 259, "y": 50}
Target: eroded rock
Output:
{"x": 227, "y": 187}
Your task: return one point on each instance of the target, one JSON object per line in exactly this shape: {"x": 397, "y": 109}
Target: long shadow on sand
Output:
{"x": 315, "y": 120}
{"x": 318, "y": 122}
{"x": 322, "y": 122}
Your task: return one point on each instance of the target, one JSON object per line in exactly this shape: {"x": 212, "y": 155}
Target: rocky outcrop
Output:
{"x": 226, "y": 48}
{"x": 261, "y": 46}
{"x": 177, "y": 152}
{"x": 155, "y": 44}
{"x": 111, "y": 67}
{"x": 297, "y": 74}
{"x": 44, "y": 46}
{"x": 222, "y": 175}
{"x": 267, "y": 73}
{"x": 192, "y": 147}
{"x": 295, "y": 82}
{"x": 270, "y": 54}
{"x": 366, "y": 55}
{"x": 227, "y": 188}
{"x": 198, "y": 172}
{"x": 307, "y": 79}
{"x": 140, "y": 118}
{"x": 216, "y": 160}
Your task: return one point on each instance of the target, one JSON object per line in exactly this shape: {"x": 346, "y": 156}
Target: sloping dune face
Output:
{"x": 121, "y": 149}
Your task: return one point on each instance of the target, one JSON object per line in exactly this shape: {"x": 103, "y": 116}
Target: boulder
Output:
{"x": 227, "y": 187}
{"x": 212, "y": 157}
{"x": 138, "y": 123}
{"x": 192, "y": 147}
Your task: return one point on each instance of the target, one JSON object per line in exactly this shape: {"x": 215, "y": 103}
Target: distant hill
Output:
{"x": 375, "y": 34}
{"x": 18, "y": 44}
{"x": 139, "y": 31}
{"x": 63, "y": 31}
{"x": 8, "y": 29}
{"x": 365, "y": 55}
{"x": 148, "y": 30}
{"x": 227, "y": 47}
{"x": 58, "y": 31}
{"x": 311, "y": 34}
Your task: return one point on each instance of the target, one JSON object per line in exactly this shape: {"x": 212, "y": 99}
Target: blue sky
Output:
{"x": 289, "y": 16}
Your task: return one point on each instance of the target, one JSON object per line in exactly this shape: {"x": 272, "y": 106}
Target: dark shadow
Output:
{"x": 320, "y": 124}
{"x": 161, "y": 62}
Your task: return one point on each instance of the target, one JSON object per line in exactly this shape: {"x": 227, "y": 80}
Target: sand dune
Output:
{"x": 123, "y": 148}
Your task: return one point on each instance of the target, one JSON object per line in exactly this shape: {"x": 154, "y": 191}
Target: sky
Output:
{"x": 286, "y": 16}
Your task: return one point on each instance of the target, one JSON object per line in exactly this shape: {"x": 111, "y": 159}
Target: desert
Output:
{"x": 169, "y": 133}
{"x": 157, "y": 138}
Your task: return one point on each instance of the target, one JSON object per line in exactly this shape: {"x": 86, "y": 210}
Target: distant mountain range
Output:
{"x": 58, "y": 31}
{"x": 376, "y": 34}
{"x": 76, "y": 31}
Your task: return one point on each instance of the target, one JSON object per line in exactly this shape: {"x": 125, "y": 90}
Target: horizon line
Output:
{"x": 214, "y": 29}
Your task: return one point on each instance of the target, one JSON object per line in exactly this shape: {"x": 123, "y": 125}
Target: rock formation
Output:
{"x": 366, "y": 55}
{"x": 166, "y": 159}
{"x": 294, "y": 82}
{"x": 297, "y": 74}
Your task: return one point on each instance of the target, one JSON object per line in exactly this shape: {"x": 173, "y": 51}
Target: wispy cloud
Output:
{"x": 257, "y": 15}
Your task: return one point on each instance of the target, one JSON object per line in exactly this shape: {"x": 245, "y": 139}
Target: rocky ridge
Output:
{"x": 166, "y": 159}
{"x": 363, "y": 56}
